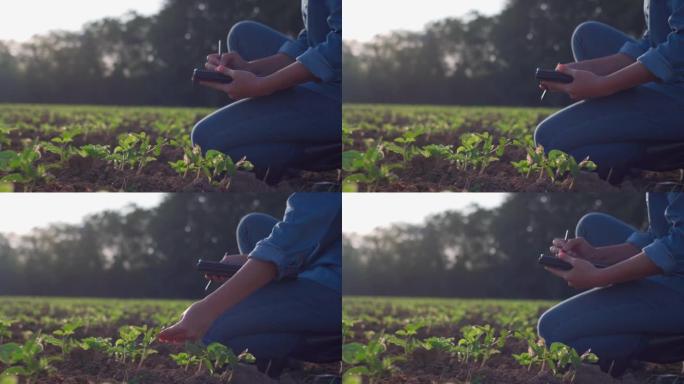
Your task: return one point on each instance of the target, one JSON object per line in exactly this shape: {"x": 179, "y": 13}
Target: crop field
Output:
{"x": 45, "y": 148}
{"x": 464, "y": 149}
{"x": 396, "y": 340}
{"x": 50, "y": 340}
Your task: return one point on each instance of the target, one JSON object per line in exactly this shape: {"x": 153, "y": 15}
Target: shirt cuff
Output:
{"x": 660, "y": 256}
{"x": 291, "y": 49}
{"x": 640, "y": 239}
{"x": 263, "y": 251}
{"x": 317, "y": 65}
{"x": 632, "y": 50}
{"x": 657, "y": 64}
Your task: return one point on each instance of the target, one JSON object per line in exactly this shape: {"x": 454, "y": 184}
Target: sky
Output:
{"x": 22, "y": 212}
{"x": 364, "y": 19}
{"x": 363, "y": 212}
{"x": 25, "y": 18}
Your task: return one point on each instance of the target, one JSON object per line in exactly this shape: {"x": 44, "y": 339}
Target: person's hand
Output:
{"x": 232, "y": 60}
{"x": 230, "y": 260}
{"x": 245, "y": 84}
{"x": 586, "y": 85}
{"x": 578, "y": 247}
{"x": 583, "y": 275}
{"x": 194, "y": 323}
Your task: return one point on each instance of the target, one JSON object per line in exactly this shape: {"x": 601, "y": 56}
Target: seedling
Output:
{"x": 365, "y": 168}
{"x": 406, "y": 338}
{"x": 212, "y": 165}
{"x": 479, "y": 343}
{"x": 135, "y": 150}
{"x": 62, "y": 338}
{"x": 215, "y": 357}
{"x": 24, "y": 360}
{"x": 95, "y": 151}
{"x": 134, "y": 344}
{"x": 367, "y": 360}
{"x": 22, "y": 167}
{"x": 60, "y": 146}
{"x": 5, "y": 332}
{"x": 405, "y": 145}
{"x": 184, "y": 359}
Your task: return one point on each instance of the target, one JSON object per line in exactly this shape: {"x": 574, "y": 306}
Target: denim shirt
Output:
{"x": 661, "y": 49}
{"x": 307, "y": 243}
{"x": 319, "y": 45}
{"x": 663, "y": 243}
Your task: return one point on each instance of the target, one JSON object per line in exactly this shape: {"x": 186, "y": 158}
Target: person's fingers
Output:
{"x": 173, "y": 334}
{"x": 553, "y": 86}
{"x": 559, "y": 242}
{"x": 556, "y": 272}
{"x": 214, "y": 59}
{"x": 216, "y": 86}
{"x": 567, "y": 258}
{"x": 210, "y": 66}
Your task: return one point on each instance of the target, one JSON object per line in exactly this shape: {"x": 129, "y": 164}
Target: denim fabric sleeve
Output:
{"x": 296, "y": 238}
{"x": 294, "y": 48}
{"x": 666, "y": 61}
{"x": 325, "y": 59}
{"x": 668, "y": 251}
{"x": 641, "y": 239}
{"x": 634, "y": 49}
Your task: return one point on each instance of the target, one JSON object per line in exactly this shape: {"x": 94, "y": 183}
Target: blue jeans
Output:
{"x": 614, "y": 322}
{"x": 275, "y": 319}
{"x": 613, "y": 131}
{"x": 275, "y": 132}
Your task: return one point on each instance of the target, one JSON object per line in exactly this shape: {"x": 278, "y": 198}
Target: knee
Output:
{"x": 250, "y": 221}
{"x": 585, "y": 31}
{"x": 548, "y": 327}
{"x": 199, "y": 135}
{"x": 238, "y": 32}
{"x": 544, "y": 134}
{"x": 589, "y": 222}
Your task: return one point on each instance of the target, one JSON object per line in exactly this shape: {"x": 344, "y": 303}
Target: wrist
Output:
{"x": 209, "y": 307}
{"x": 602, "y": 278}
{"x": 266, "y": 85}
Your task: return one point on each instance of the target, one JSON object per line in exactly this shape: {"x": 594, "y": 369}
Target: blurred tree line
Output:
{"x": 477, "y": 252}
{"x": 478, "y": 60}
{"x": 134, "y": 60}
{"x": 138, "y": 253}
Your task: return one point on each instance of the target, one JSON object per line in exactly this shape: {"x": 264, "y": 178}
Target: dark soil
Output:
{"x": 427, "y": 367}
{"x": 94, "y": 175}
{"x": 86, "y": 367}
{"x": 438, "y": 175}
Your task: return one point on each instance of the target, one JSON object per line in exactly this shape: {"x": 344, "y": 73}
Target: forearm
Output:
{"x": 288, "y": 77}
{"x": 614, "y": 254}
{"x": 604, "y": 66}
{"x": 629, "y": 77}
{"x": 634, "y": 268}
{"x": 269, "y": 65}
{"x": 252, "y": 276}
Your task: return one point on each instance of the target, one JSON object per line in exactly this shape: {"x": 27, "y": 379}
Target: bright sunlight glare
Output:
{"x": 25, "y": 18}
{"x": 363, "y": 212}
{"x": 21, "y": 212}
{"x": 363, "y": 19}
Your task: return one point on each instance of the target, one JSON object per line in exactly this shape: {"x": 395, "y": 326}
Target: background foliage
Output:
{"x": 133, "y": 60}
{"x": 478, "y": 60}
{"x": 478, "y": 253}
{"x": 138, "y": 253}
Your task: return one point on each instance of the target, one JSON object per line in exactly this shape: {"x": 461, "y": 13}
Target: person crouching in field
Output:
{"x": 289, "y": 287}
{"x": 289, "y": 113}
{"x": 632, "y": 92}
{"x": 636, "y": 299}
